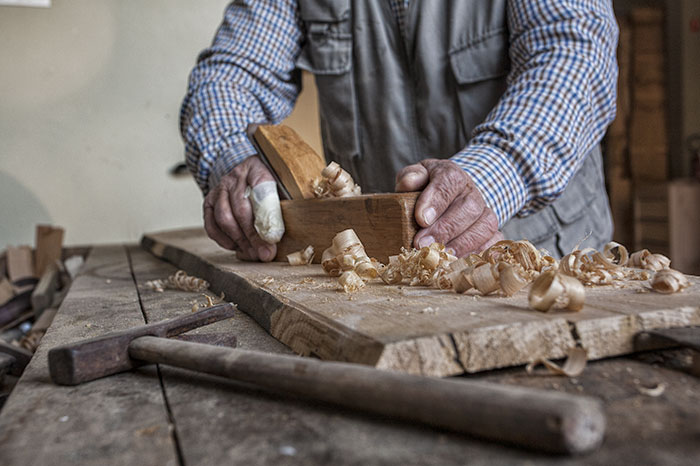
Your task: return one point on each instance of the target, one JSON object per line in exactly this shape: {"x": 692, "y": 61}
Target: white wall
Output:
{"x": 89, "y": 98}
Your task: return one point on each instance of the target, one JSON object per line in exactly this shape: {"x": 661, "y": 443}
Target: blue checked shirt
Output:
{"x": 559, "y": 99}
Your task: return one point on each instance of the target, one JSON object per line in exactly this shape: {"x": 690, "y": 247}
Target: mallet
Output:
{"x": 536, "y": 419}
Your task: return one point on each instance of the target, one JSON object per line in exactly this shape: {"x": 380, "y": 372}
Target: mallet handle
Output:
{"x": 536, "y": 419}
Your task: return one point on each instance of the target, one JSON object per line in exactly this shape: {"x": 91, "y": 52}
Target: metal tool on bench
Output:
{"x": 535, "y": 419}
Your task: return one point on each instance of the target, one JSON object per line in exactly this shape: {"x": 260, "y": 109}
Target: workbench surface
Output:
{"x": 161, "y": 415}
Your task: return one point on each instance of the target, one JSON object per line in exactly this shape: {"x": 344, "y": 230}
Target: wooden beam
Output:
{"x": 49, "y": 242}
{"x": 297, "y": 165}
{"x": 383, "y": 222}
{"x": 20, "y": 263}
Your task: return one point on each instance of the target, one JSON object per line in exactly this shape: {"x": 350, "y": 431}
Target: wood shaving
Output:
{"x": 303, "y": 257}
{"x": 211, "y": 301}
{"x": 576, "y": 360}
{"x": 669, "y": 281}
{"x": 179, "y": 281}
{"x": 350, "y": 281}
{"x": 347, "y": 254}
{"x": 335, "y": 182}
{"x": 428, "y": 266}
{"x": 553, "y": 289}
{"x": 658, "y": 390}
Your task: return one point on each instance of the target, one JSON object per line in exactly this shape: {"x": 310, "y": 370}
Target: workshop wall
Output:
{"x": 90, "y": 92}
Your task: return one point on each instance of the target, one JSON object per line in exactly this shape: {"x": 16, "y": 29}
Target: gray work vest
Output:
{"x": 387, "y": 101}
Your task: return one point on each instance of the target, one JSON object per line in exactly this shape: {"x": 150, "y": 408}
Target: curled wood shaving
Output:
{"x": 669, "y": 281}
{"x": 347, "y": 254}
{"x": 645, "y": 260}
{"x": 179, "y": 281}
{"x": 658, "y": 390}
{"x": 211, "y": 301}
{"x": 303, "y": 257}
{"x": 555, "y": 289}
{"x": 350, "y": 281}
{"x": 507, "y": 266}
{"x": 428, "y": 266}
{"x": 335, "y": 182}
{"x": 576, "y": 360}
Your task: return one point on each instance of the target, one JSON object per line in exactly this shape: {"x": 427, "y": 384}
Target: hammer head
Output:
{"x": 109, "y": 354}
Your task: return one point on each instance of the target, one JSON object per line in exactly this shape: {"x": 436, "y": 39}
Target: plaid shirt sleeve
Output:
{"x": 559, "y": 100}
{"x": 246, "y": 76}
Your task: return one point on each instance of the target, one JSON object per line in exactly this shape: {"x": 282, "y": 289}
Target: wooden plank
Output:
{"x": 43, "y": 294}
{"x": 118, "y": 420}
{"x": 296, "y": 164}
{"x": 6, "y": 290}
{"x": 259, "y": 428}
{"x": 20, "y": 263}
{"x": 383, "y": 222}
{"x": 684, "y": 225}
{"x": 49, "y": 244}
{"x": 413, "y": 329}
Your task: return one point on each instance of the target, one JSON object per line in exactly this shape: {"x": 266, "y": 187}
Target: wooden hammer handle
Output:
{"x": 535, "y": 419}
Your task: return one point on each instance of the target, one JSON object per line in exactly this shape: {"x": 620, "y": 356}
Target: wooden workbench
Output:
{"x": 168, "y": 416}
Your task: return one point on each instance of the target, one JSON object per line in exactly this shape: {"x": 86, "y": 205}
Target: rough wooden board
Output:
{"x": 6, "y": 290}
{"x": 49, "y": 244}
{"x": 383, "y": 222}
{"x": 420, "y": 330}
{"x": 120, "y": 420}
{"x": 220, "y": 422}
{"x": 20, "y": 263}
{"x": 295, "y": 162}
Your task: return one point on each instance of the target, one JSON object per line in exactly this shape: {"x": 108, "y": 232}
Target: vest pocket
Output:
{"x": 479, "y": 69}
{"x": 483, "y": 58}
{"x": 327, "y": 53}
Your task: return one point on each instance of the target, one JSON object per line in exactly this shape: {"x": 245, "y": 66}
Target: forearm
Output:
{"x": 559, "y": 100}
{"x": 246, "y": 76}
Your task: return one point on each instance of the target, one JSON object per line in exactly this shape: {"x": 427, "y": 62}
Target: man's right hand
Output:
{"x": 228, "y": 215}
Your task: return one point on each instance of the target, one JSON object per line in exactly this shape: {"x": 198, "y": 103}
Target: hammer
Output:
{"x": 536, "y": 419}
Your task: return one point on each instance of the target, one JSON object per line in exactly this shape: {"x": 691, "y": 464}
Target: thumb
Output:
{"x": 412, "y": 178}
{"x": 267, "y": 211}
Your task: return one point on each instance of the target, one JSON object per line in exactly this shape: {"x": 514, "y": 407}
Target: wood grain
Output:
{"x": 119, "y": 420}
{"x": 420, "y": 330}
{"x": 383, "y": 222}
{"x": 297, "y": 165}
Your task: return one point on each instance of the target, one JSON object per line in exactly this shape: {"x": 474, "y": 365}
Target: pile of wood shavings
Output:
{"x": 346, "y": 258}
{"x": 179, "y": 281}
{"x": 335, "y": 182}
{"x": 422, "y": 266}
{"x": 506, "y": 267}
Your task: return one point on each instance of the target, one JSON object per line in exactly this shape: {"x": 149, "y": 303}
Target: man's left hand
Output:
{"x": 450, "y": 209}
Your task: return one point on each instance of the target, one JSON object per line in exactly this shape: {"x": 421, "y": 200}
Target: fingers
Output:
{"x": 228, "y": 216}
{"x": 226, "y": 222}
{"x": 447, "y": 181}
{"x": 243, "y": 214}
{"x": 213, "y": 229}
{"x": 412, "y": 178}
{"x": 464, "y": 211}
{"x": 482, "y": 234}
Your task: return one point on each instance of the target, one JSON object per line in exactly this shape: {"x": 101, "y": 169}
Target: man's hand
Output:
{"x": 228, "y": 215}
{"x": 450, "y": 209}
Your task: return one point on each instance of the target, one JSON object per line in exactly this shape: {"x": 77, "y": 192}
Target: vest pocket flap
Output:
{"x": 324, "y": 10}
{"x": 326, "y": 54}
{"x": 481, "y": 60}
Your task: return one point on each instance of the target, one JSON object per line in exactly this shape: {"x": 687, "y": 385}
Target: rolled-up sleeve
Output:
{"x": 560, "y": 98}
{"x": 246, "y": 76}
